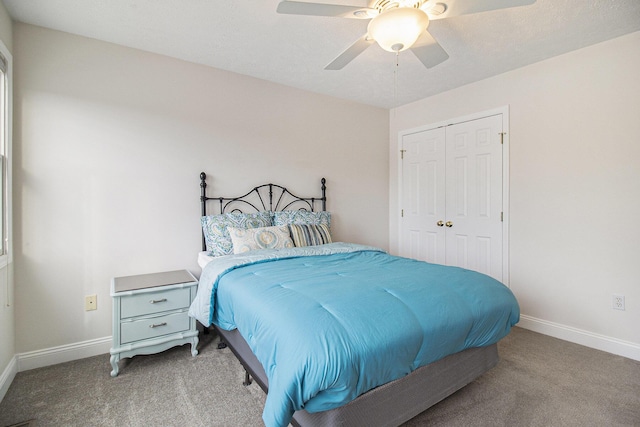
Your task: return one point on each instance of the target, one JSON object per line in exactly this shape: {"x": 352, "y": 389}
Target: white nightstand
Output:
{"x": 150, "y": 314}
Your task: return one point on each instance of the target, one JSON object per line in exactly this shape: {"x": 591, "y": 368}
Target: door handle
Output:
{"x": 440, "y": 223}
{"x": 449, "y": 224}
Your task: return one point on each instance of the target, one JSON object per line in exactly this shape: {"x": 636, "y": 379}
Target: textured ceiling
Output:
{"x": 250, "y": 38}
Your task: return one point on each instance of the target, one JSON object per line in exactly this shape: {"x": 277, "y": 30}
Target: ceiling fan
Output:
{"x": 397, "y": 25}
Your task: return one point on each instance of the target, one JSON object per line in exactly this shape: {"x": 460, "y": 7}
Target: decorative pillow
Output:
{"x": 302, "y": 217}
{"x": 216, "y": 235}
{"x": 310, "y": 235}
{"x": 250, "y": 239}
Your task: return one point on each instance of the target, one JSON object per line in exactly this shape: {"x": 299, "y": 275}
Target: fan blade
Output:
{"x": 322, "y": 9}
{"x": 467, "y": 7}
{"x": 350, "y": 53}
{"x": 428, "y": 51}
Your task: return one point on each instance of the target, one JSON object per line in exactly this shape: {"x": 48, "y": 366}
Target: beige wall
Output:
{"x": 6, "y": 28}
{"x": 574, "y": 187}
{"x": 108, "y": 151}
{"x": 7, "y": 313}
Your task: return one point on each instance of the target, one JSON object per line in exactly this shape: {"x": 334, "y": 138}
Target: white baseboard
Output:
{"x": 95, "y": 347}
{"x": 7, "y": 376}
{"x": 578, "y": 336}
{"x": 63, "y": 353}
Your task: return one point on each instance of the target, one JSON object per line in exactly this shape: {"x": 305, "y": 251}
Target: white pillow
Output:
{"x": 250, "y": 239}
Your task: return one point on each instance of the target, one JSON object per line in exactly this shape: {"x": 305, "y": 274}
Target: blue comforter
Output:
{"x": 332, "y": 322}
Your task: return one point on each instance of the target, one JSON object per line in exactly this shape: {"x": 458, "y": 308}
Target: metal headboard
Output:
{"x": 265, "y": 197}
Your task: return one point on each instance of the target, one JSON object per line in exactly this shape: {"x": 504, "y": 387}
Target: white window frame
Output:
{"x": 6, "y": 255}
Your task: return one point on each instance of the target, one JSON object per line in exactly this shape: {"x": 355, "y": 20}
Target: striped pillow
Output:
{"x": 309, "y": 235}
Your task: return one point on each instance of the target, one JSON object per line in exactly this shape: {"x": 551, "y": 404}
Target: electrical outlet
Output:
{"x": 90, "y": 302}
{"x": 618, "y": 302}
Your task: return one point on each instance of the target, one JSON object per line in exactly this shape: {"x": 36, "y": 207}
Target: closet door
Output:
{"x": 474, "y": 196}
{"x": 423, "y": 196}
{"x": 452, "y": 195}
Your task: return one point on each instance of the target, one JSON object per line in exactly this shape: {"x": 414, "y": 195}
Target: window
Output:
{"x": 5, "y": 145}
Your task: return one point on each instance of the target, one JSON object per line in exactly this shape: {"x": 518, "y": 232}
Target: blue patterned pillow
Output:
{"x": 310, "y": 235}
{"x": 216, "y": 233}
{"x": 251, "y": 239}
{"x": 302, "y": 218}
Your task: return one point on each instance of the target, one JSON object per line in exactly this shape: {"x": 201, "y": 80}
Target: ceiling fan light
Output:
{"x": 398, "y": 29}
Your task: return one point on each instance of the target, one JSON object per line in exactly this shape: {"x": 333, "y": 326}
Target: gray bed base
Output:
{"x": 390, "y": 404}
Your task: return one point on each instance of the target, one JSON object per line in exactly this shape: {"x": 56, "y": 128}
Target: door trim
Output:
{"x": 504, "y": 111}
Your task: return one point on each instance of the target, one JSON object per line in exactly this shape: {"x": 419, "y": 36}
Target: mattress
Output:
{"x": 204, "y": 258}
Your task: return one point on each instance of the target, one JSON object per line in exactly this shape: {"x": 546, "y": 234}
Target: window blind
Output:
{"x": 3, "y": 63}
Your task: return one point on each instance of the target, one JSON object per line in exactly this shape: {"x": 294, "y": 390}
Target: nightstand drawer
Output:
{"x": 153, "y": 327}
{"x": 155, "y": 302}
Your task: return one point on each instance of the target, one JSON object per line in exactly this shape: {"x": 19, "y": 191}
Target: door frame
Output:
{"x": 504, "y": 111}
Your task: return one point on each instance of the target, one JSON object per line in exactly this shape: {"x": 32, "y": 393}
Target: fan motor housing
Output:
{"x": 382, "y": 5}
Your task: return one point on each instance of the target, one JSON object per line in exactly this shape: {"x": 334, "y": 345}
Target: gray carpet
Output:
{"x": 540, "y": 381}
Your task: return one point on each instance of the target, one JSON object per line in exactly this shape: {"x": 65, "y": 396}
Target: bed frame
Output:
{"x": 388, "y": 405}
{"x": 265, "y": 197}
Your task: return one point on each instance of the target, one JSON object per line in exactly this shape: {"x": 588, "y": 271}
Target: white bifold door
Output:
{"x": 452, "y": 201}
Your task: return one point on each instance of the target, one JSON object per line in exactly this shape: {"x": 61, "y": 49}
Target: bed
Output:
{"x": 339, "y": 334}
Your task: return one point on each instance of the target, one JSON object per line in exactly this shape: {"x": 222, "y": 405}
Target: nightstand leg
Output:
{"x": 114, "y": 364}
{"x": 194, "y": 346}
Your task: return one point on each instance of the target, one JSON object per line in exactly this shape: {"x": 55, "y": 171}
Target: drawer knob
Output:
{"x": 155, "y": 301}
{"x": 157, "y": 325}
